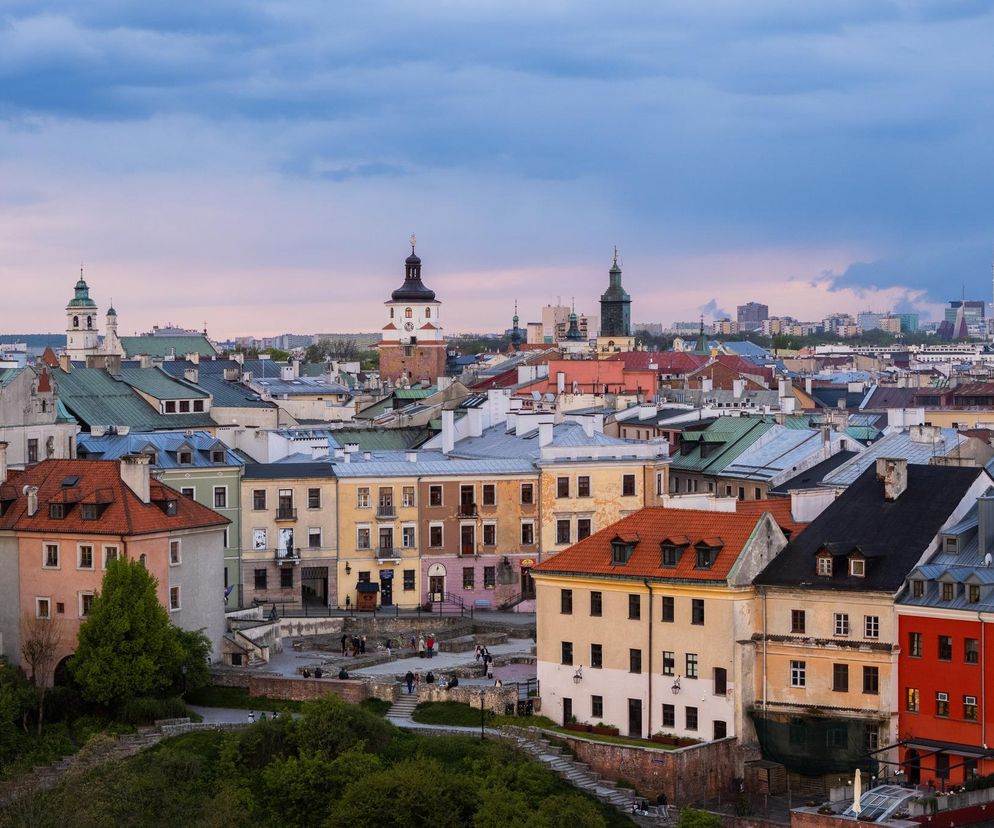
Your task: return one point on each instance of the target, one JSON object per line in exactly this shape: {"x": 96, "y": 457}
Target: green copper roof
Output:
{"x": 82, "y": 298}
{"x": 163, "y": 346}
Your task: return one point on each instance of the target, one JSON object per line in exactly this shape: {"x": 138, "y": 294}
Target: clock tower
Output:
{"x": 412, "y": 347}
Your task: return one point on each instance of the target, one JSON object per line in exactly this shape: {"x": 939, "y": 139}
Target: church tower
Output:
{"x": 82, "y": 336}
{"x": 412, "y": 347}
{"x": 616, "y": 315}
{"x": 112, "y": 344}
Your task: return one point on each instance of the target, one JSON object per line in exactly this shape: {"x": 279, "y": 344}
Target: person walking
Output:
{"x": 431, "y": 646}
{"x": 476, "y": 655}
{"x": 430, "y": 678}
{"x": 362, "y": 645}
{"x": 345, "y": 641}
{"x": 417, "y": 678}
{"x": 409, "y": 681}
{"x": 421, "y": 646}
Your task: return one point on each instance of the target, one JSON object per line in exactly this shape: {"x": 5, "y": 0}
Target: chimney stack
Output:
{"x": 893, "y": 471}
{"x": 65, "y": 363}
{"x": 3, "y": 462}
{"x": 985, "y": 525}
{"x": 448, "y": 431}
{"x": 32, "y": 494}
{"x": 545, "y": 433}
{"x": 192, "y": 375}
{"x": 135, "y": 472}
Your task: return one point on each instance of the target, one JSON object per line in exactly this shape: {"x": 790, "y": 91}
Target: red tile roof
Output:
{"x": 652, "y": 526}
{"x": 99, "y": 482}
{"x": 666, "y": 362}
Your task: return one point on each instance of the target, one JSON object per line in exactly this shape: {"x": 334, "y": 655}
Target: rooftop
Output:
{"x": 163, "y": 445}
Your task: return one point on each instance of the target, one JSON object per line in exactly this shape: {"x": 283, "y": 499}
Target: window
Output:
{"x": 563, "y": 530}
{"x": 634, "y": 607}
{"x": 527, "y": 493}
{"x": 945, "y": 648}
{"x": 489, "y": 534}
{"x": 871, "y": 680}
{"x": 567, "y": 652}
{"x": 697, "y": 611}
{"x": 597, "y": 707}
{"x": 562, "y": 487}
{"x": 857, "y": 567}
{"x": 259, "y": 499}
{"x": 941, "y": 704}
{"x": 86, "y": 602}
{"x": 490, "y": 577}
{"x": 915, "y": 645}
{"x": 911, "y": 699}
{"x": 407, "y": 497}
{"x": 217, "y": 455}
{"x": 634, "y": 661}
{"x": 188, "y": 491}
{"x": 51, "y": 559}
{"x": 798, "y": 674}
{"x": 89, "y": 511}
{"x": 566, "y": 601}
{"x": 489, "y": 494}
{"x": 362, "y": 537}
{"x": 43, "y": 608}
{"x": 841, "y": 623}
{"x": 917, "y": 588}
{"x": 408, "y": 313}
{"x": 170, "y": 406}
{"x": 942, "y": 766}
{"x": 691, "y": 713}
{"x": 468, "y": 577}
{"x": 871, "y": 626}
{"x": 837, "y": 736}
{"x": 671, "y": 554}
{"x": 628, "y": 485}
{"x": 85, "y": 560}
{"x": 970, "y": 708}
{"x": 840, "y": 678}
{"x": 583, "y": 527}
{"x": 185, "y": 457}
{"x": 705, "y": 557}
{"x": 60, "y": 608}
{"x": 362, "y": 497}
{"x": 669, "y": 715}
{"x": 313, "y": 538}
{"x": 720, "y": 681}
{"x": 582, "y": 486}
{"x": 691, "y": 671}
{"x": 973, "y": 593}
{"x": 260, "y": 579}
{"x": 824, "y": 565}
{"x": 669, "y": 663}
{"x": 947, "y": 591}
{"x": 971, "y": 651}
{"x": 110, "y": 554}
{"x": 174, "y": 553}
{"x": 286, "y": 577}
{"x": 596, "y": 604}
{"x": 797, "y": 621}
{"x": 668, "y": 608}
{"x": 434, "y": 495}
{"x": 313, "y": 498}
{"x": 407, "y": 537}
{"x": 596, "y": 656}
{"x": 220, "y": 497}
{"x": 527, "y": 533}
{"x": 56, "y": 511}
{"x": 174, "y": 598}
{"x": 871, "y": 739}
{"x": 32, "y": 450}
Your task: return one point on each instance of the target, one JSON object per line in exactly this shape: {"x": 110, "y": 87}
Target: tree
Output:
{"x": 331, "y": 727}
{"x": 127, "y": 645}
{"x": 40, "y": 639}
{"x": 693, "y": 818}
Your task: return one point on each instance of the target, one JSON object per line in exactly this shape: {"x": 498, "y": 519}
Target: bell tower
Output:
{"x": 616, "y": 315}
{"x": 82, "y": 335}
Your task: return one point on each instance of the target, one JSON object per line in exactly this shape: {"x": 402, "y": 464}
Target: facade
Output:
{"x": 616, "y": 315}
{"x": 638, "y": 624}
{"x": 62, "y": 520}
{"x": 412, "y": 347}
{"x": 33, "y": 423}
{"x": 827, "y": 639}
{"x": 289, "y": 534}
{"x": 751, "y": 315}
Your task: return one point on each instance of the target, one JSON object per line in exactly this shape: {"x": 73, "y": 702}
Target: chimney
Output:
{"x": 474, "y": 416}
{"x": 32, "y": 494}
{"x": 925, "y": 434}
{"x": 412, "y": 456}
{"x": 706, "y": 384}
{"x": 807, "y": 385}
{"x": 738, "y": 388}
{"x": 560, "y": 382}
{"x": 194, "y": 357}
{"x": 545, "y": 433}
{"x": 893, "y": 471}
{"x": 340, "y": 454}
{"x": 295, "y": 365}
{"x": 785, "y": 388}
{"x": 787, "y": 404}
{"x": 588, "y": 426}
{"x": 985, "y": 527}
{"x": 647, "y": 411}
{"x": 286, "y": 373}
{"x": 135, "y": 472}
{"x": 191, "y": 375}
{"x": 367, "y": 455}
{"x": 318, "y": 451}
{"x": 3, "y": 462}
{"x": 351, "y": 448}
{"x": 448, "y": 431}
{"x": 231, "y": 374}
{"x": 238, "y": 357}
{"x": 826, "y": 435}
{"x": 65, "y": 363}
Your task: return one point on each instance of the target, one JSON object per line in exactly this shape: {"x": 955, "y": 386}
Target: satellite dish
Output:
{"x": 987, "y": 559}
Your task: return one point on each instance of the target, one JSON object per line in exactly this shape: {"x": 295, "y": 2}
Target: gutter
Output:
{"x": 648, "y": 586}
{"x": 763, "y": 592}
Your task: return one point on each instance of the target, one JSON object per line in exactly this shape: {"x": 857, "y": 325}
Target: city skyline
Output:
{"x": 251, "y": 165}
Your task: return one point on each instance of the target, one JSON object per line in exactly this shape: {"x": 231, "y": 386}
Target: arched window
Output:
{"x": 142, "y": 560}
{"x": 89, "y": 322}
{"x": 391, "y": 313}
{"x": 408, "y": 313}
{"x": 75, "y": 321}
{"x": 427, "y": 313}
{"x": 44, "y": 408}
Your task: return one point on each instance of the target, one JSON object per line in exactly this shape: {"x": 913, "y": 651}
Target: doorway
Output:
{"x": 913, "y": 766}
{"x": 567, "y": 711}
{"x": 635, "y": 718}
{"x": 314, "y": 586}
{"x": 527, "y": 584}
{"x": 386, "y": 587}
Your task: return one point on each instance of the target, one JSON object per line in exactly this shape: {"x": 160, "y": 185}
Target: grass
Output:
{"x": 239, "y": 699}
{"x": 614, "y": 740}
{"x": 377, "y": 707}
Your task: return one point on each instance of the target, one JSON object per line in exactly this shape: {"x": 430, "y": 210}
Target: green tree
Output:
{"x": 191, "y": 672}
{"x": 127, "y": 645}
{"x": 693, "y": 818}
{"x": 570, "y": 810}
{"x": 331, "y": 726}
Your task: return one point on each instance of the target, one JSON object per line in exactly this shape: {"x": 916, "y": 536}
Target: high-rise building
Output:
{"x": 967, "y": 317}
{"x": 751, "y": 316}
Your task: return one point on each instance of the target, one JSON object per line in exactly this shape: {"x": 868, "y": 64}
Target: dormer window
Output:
{"x": 948, "y": 590}
{"x": 217, "y": 456}
{"x": 857, "y": 567}
{"x": 917, "y": 588}
{"x": 169, "y": 406}
{"x": 950, "y": 544}
{"x": 621, "y": 551}
{"x": 56, "y": 511}
{"x": 824, "y": 564}
{"x": 670, "y": 554}
{"x": 973, "y": 593}
{"x": 90, "y": 511}
{"x": 185, "y": 458}
{"x": 706, "y": 556}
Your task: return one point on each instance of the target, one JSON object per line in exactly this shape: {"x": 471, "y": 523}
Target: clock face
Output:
{"x": 408, "y": 326}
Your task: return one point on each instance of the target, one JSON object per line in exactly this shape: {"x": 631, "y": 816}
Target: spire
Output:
{"x": 413, "y": 290}
{"x": 615, "y": 304}
{"x": 516, "y": 336}
{"x": 573, "y": 333}
{"x": 701, "y": 347}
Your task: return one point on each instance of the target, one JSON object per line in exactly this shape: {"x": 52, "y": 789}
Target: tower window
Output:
{"x": 408, "y": 313}
{"x": 391, "y": 313}
{"x": 427, "y": 313}
{"x": 75, "y": 321}
{"x": 89, "y": 321}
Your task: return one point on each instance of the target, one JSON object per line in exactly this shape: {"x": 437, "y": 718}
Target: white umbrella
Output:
{"x": 857, "y": 793}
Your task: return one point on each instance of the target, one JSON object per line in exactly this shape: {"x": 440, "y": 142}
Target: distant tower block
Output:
{"x": 412, "y": 347}
{"x": 616, "y": 315}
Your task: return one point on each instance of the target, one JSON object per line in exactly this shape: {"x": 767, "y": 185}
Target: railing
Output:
{"x": 467, "y": 549}
{"x": 467, "y": 510}
{"x": 386, "y": 512}
{"x": 443, "y": 600}
{"x": 288, "y": 555}
{"x": 286, "y": 513}
{"x": 384, "y": 552}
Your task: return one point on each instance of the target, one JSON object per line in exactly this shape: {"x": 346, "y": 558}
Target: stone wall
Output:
{"x": 495, "y": 698}
{"x": 294, "y": 627}
{"x": 681, "y": 774}
{"x": 302, "y": 689}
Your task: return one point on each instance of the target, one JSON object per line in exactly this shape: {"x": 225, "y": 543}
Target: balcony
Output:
{"x": 386, "y": 511}
{"x": 287, "y": 557}
{"x": 467, "y": 549}
{"x": 467, "y": 510}
{"x": 387, "y": 553}
{"x": 286, "y": 513}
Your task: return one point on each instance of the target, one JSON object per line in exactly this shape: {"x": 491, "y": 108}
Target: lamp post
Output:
{"x": 483, "y": 694}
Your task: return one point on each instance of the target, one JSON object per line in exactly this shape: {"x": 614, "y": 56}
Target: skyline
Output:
{"x": 248, "y": 165}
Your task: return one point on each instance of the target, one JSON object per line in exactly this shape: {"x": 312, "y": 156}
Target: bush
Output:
{"x": 693, "y": 818}
{"x": 144, "y": 710}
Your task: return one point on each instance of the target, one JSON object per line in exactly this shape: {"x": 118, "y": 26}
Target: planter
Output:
{"x": 605, "y": 730}
{"x": 578, "y": 727}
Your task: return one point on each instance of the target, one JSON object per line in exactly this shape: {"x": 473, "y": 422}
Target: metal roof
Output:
{"x": 735, "y": 434}
{"x": 163, "y": 346}
{"x": 898, "y": 445}
{"x": 780, "y": 450}
{"x": 159, "y": 384}
{"x": 165, "y": 444}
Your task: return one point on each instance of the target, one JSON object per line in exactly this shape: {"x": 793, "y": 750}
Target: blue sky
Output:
{"x": 260, "y": 165}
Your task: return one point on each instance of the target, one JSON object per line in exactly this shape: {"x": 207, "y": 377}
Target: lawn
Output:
{"x": 239, "y": 699}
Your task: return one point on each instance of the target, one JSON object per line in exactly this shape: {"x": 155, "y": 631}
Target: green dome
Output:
{"x": 82, "y": 298}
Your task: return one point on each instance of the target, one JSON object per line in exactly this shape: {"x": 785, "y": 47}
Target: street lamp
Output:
{"x": 483, "y": 694}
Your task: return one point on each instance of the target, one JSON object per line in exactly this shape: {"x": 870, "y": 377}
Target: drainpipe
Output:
{"x": 648, "y": 586}
{"x": 983, "y": 680}
{"x": 763, "y": 590}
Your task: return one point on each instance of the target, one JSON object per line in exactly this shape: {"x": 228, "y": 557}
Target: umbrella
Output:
{"x": 857, "y": 793}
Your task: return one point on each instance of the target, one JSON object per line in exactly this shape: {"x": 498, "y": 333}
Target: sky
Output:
{"x": 261, "y": 165}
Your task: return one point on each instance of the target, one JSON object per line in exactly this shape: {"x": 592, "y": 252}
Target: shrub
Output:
{"x": 144, "y": 710}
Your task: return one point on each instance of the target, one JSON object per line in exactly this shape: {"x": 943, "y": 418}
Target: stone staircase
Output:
{"x": 403, "y": 708}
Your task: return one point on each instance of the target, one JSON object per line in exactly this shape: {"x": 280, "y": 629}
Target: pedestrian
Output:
{"x": 251, "y": 715}
{"x": 345, "y": 640}
{"x": 430, "y": 677}
{"x": 453, "y": 682}
{"x": 343, "y": 674}
{"x": 661, "y": 803}
{"x": 414, "y": 643}
{"x": 355, "y": 646}
{"x": 476, "y": 655}
{"x": 318, "y": 672}
{"x": 484, "y": 661}
{"x": 421, "y": 646}
{"x": 409, "y": 680}
{"x": 431, "y": 645}
{"x": 417, "y": 678}
{"x": 348, "y": 604}
{"x": 263, "y": 716}
{"x": 498, "y": 683}
{"x": 362, "y": 645}
{"x": 307, "y": 673}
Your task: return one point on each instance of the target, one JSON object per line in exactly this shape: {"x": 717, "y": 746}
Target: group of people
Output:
{"x": 424, "y": 646}
{"x": 318, "y": 672}
{"x": 483, "y": 655}
{"x": 262, "y": 716}
{"x": 413, "y": 680}
{"x": 353, "y": 645}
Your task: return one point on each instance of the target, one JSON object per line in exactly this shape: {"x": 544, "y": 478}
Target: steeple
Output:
{"x": 702, "y": 343}
{"x": 616, "y": 313}
{"x": 516, "y": 337}
{"x": 413, "y": 290}
{"x": 573, "y": 333}
{"x": 82, "y": 298}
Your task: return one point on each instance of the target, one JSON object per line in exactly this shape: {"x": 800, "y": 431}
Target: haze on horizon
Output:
{"x": 260, "y": 165}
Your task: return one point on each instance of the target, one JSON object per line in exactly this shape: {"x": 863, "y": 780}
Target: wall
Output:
{"x": 200, "y": 577}
{"x": 302, "y": 689}
{"x": 494, "y": 698}
{"x": 426, "y": 362}
{"x": 10, "y": 602}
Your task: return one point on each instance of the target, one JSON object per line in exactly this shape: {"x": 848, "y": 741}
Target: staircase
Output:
{"x": 403, "y": 708}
